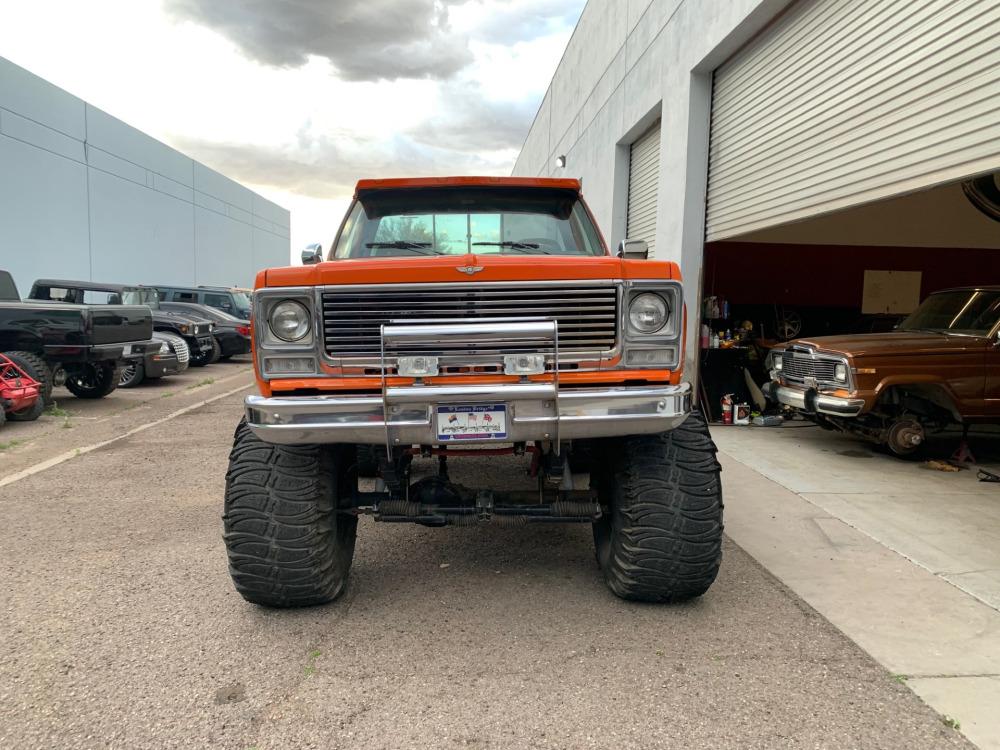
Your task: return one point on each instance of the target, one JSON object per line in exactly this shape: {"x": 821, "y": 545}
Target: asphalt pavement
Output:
{"x": 119, "y": 626}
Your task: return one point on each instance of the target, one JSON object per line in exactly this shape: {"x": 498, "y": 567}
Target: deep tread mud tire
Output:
{"x": 37, "y": 368}
{"x": 216, "y": 352}
{"x": 287, "y": 545}
{"x": 662, "y": 540}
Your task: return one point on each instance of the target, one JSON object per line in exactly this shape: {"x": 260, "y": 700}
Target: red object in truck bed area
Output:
{"x": 18, "y": 390}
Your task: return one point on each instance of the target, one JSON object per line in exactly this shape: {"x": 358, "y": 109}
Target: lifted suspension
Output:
{"x": 436, "y": 502}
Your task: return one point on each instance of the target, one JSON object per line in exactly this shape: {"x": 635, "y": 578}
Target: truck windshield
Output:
{"x": 971, "y": 312}
{"x": 456, "y": 221}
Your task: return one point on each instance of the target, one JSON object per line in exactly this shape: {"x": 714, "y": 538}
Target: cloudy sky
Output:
{"x": 298, "y": 98}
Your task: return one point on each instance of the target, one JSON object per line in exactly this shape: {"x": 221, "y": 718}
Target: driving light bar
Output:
{"x": 524, "y": 364}
{"x": 417, "y": 367}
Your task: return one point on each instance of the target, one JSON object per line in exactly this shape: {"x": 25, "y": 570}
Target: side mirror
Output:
{"x": 633, "y": 249}
{"x": 312, "y": 254}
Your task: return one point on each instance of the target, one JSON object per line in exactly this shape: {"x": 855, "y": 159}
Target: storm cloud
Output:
{"x": 365, "y": 40}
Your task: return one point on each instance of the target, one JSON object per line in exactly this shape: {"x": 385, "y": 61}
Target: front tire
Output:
{"x": 93, "y": 380}
{"x": 287, "y": 545}
{"x": 661, "y": 540}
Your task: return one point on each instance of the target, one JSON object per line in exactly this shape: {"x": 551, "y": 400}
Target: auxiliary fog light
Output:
{"x": 287, "y": 365}
{"x": 840, "y": 373}
{"x": 524, "y": 364}
{"x": 417, "y": 367}
{"x": 649, "y": 357}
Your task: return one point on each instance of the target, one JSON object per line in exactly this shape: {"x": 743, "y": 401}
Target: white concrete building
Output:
{"x": 694, "y": 122}
{"x": 85, "y": 196}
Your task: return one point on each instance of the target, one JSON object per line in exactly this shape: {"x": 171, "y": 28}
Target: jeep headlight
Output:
{"x": 289, "y": 320}
{"x": 840, "y": 372}
{"x": 648, "y": 312}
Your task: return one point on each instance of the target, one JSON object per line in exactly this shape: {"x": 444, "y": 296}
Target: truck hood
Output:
{"x": 466, "y": 268}
{"x": 895, "y": 343}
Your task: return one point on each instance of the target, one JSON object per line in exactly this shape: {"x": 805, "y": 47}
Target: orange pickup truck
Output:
{"x": 940, "y": 366}
{"x": 470, "y": 317}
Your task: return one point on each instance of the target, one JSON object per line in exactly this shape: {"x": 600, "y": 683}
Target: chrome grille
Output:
{"x": 797, "y": 365}
{"x": 587, "y": 315}
{"x": 180, "y": 347}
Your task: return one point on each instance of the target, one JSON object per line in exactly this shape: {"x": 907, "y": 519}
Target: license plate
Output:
{"x": 472, "y": 422}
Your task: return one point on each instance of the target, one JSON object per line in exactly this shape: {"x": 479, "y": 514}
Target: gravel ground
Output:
{"x": 119, "y": 628}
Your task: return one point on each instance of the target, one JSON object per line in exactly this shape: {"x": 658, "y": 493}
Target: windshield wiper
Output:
{"x": 424, "y": 248}
{"x": 510, "y": 244}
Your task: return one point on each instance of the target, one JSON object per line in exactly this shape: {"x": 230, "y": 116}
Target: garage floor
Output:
{"x": 904, "y": 559}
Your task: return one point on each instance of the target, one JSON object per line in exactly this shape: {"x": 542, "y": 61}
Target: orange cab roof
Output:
{"x": 421, "y": 182}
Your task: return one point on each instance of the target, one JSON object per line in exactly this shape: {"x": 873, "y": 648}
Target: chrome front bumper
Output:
{"x": 536, "y": 411}
{"x": 812, "y": 401}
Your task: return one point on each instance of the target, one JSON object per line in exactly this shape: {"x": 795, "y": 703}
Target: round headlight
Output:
{"x": 289, "y": 320}
{"x": 648, "y": 313}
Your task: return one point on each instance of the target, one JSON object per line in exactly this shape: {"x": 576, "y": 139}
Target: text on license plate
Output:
{"x": 472, "y": 422}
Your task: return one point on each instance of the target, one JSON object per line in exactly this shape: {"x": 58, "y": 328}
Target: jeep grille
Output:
{"x": 587, "y": 315}
{"x": 799, "y": 364}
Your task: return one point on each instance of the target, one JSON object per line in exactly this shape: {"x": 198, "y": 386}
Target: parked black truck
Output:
{"x": 82, "y": 346}
{"x": 197, "y": 333}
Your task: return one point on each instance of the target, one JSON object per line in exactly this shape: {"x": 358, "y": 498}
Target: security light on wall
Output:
{"x": 561, "y": 162}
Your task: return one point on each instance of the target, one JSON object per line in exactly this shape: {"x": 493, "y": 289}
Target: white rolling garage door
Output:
{"x": 643, "y": 183}
{"x": 844, "y": 102}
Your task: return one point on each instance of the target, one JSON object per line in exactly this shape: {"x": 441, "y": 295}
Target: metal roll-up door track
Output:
{"x": 643, "y": 184}
{"x": 841, "y": 103}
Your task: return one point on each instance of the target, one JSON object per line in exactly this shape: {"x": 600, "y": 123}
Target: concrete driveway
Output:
{"x": 119, "y": 626}
{"x": 903, "y": 558}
